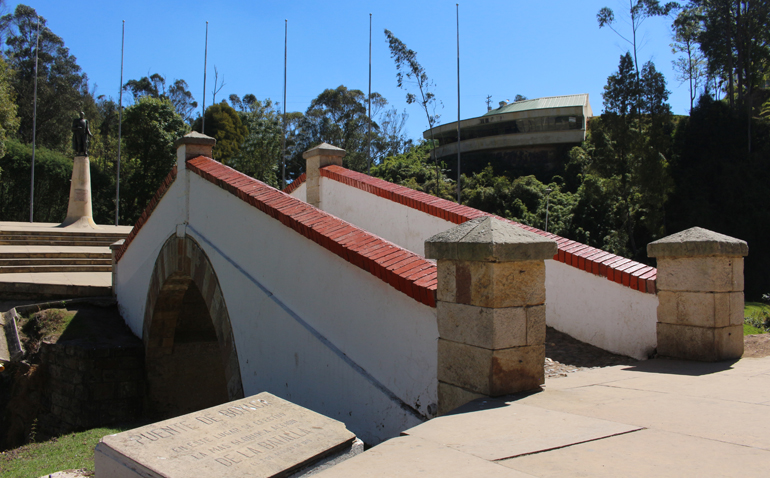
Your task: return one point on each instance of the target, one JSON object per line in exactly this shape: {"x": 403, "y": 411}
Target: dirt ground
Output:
{"x": 566, "y": 355}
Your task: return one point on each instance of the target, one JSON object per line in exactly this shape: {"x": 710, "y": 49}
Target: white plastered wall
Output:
{"x": 403, "y": 225}
{"x": 600, "y": 312}
{"x": 136, "y": 265}
{"x": 586, "y": 306}
{"x": 303, "y": 319}
{"x": 300, "y": 193}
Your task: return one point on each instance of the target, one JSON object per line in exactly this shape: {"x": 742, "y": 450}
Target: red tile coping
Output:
{"x": 402, "y": 269}
{"x": 618, "y": 269}
{"x": 295, "y": 184}
{"x": 164, "y": 186}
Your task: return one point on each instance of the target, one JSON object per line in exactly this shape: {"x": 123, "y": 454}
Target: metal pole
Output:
{"x": 120, "y": 124}
{"x": 457, "y": 10}
{"x": 34, "y": 129}
{"x": 205, "y": 57}
{"x": 547, "y": 197}
{"x": 283, "y": 145}
{"x": 369, "y": 130}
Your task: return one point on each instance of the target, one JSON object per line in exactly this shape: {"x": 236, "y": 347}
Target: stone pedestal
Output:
{"x": 79, "y": 210}
{"x": 490, "y": 310}
{"x": 700, "y": 289}
{"x": 316, "y": 158}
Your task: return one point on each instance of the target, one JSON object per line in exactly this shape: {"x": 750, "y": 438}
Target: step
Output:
{"x": 63, "y": 232}
{"x": 56, "y": 255}
{"x": 52, "y": 268}
{"x": 63, "y": 243}
{"x": 57, "y": 261}
{"x": 56, "y": 237}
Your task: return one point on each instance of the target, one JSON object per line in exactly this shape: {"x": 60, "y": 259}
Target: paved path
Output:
{"x": 658, "y": 418}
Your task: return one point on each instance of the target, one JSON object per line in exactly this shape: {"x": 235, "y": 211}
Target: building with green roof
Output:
{"x": 524, "y": 137}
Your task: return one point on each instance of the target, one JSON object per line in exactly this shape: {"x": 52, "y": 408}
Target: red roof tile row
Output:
{"x": 295, "y": 184}
{"x": 624, "y": 271}
{"x": 402, "y": 269}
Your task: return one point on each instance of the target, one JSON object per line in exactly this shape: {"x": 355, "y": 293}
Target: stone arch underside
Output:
{"x": 190, "y": 354}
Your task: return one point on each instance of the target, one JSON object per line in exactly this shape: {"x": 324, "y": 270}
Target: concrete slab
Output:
{"x": 410, "y": 456}
{"x": 644, "y": 454}
{"x": 734, "y": 422}
{"x": 53, "y": 227}
{"x": 515, "y": 429}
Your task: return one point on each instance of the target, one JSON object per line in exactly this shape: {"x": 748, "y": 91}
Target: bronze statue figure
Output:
{"x": 81, "y": 135}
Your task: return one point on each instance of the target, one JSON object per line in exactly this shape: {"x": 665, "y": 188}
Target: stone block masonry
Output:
{"x": 91, "y": 386}
{"x": 490, "y": 310}
{"x": 700, "y": 288}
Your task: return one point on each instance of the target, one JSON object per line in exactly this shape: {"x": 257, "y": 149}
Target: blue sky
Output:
{"x": 535, "y": 48}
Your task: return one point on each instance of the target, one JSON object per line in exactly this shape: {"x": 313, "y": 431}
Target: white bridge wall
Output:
{"x": 308, "y": 296}
{"x": 586, "y": 306}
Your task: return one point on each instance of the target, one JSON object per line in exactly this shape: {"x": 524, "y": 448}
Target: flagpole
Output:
{"x": 205, "y": 58}
{"x": 283, "y": 144}
{"x": 457, "y": 10}
{"x": 34, "y": 128}
{"x": 120, "y": 123}
{"x": 369, "y": 131}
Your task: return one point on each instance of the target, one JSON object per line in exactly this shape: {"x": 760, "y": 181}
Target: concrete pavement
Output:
{"x": 662, "y": 418}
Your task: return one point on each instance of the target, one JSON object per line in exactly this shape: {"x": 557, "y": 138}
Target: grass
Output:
{"x": 71, "y": 451}
{"x": 752, "y": 312}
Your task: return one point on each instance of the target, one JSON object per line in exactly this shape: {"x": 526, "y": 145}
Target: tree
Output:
{"x": 224, "y": 124}
{"x": 625, "y": 181}
{"x": 339, "y": 117}
{"x": 413, "y": 170}
{"x": 260, "y": 152}
{"x": 155, "y": 86}
{"x": 9, "y": 121}
{"x": 62, "y": 87}
{"x": 408, "y": 69}
{"x": 638, "y": 12}
{"x": 691, "y": 65}
{"x": 150, "y": 127}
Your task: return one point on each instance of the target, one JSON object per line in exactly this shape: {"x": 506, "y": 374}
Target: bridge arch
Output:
{"x": 190, "y": 357}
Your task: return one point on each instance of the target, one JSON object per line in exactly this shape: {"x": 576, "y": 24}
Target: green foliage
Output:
{"x": 155, "y": 86}
{"x": 260, "y": 152}
{"x": 756, "y": 318}
{"x": 722, "y": 186}
{"x": 9, "y": 121}
{"x": 72, "y": 451}
{"x": 150, "y": 127}
{"x": 691, "y": 65}
{"x": 224, "y": 124}
{"x": 62, "y": 87}
{"x": 52, "y": 182}
{"x": 414, "y": 170}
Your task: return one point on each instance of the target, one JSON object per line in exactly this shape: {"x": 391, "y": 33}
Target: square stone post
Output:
{"x": 316, "y": 158}
{"x": 490, "y": 310}
{"x": 190, "y": 146}
{"x": 700, "y": 293}
{"x": 114, "y": 248}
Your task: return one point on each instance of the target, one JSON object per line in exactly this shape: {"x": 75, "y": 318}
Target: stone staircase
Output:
{"x": 56, "y": 251}
{"x": 43, "y": 261}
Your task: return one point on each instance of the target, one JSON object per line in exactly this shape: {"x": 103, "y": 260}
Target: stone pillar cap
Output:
{"x": 324, "y": 149}
{"x": 194, "y": 137}
{"x": 487, "y": 239}
{"x": 695, "y": 242}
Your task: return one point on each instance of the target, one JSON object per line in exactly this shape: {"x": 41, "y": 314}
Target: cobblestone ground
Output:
{"x": 566, "y": 355}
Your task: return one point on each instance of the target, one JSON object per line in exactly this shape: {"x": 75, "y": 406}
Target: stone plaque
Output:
{"x": 258, "y": 436}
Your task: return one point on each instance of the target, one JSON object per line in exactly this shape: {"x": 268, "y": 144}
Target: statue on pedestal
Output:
{"x": 81, "y": 135}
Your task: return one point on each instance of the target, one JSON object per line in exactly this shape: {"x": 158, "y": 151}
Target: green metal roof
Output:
{"x": 542, "y": 103}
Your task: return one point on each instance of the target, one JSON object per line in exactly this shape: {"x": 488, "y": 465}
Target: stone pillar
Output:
{"x": 114, "y": 248}
{"x": 490, "y": 310}
{"x": 190, "y": 146}
{"x": 79, "y": 210}
{"x": 700, "y": 289}
{"x": 316, "y": 158}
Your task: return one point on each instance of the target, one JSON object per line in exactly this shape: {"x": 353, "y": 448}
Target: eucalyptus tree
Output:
{"x": 409, "y": 70}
